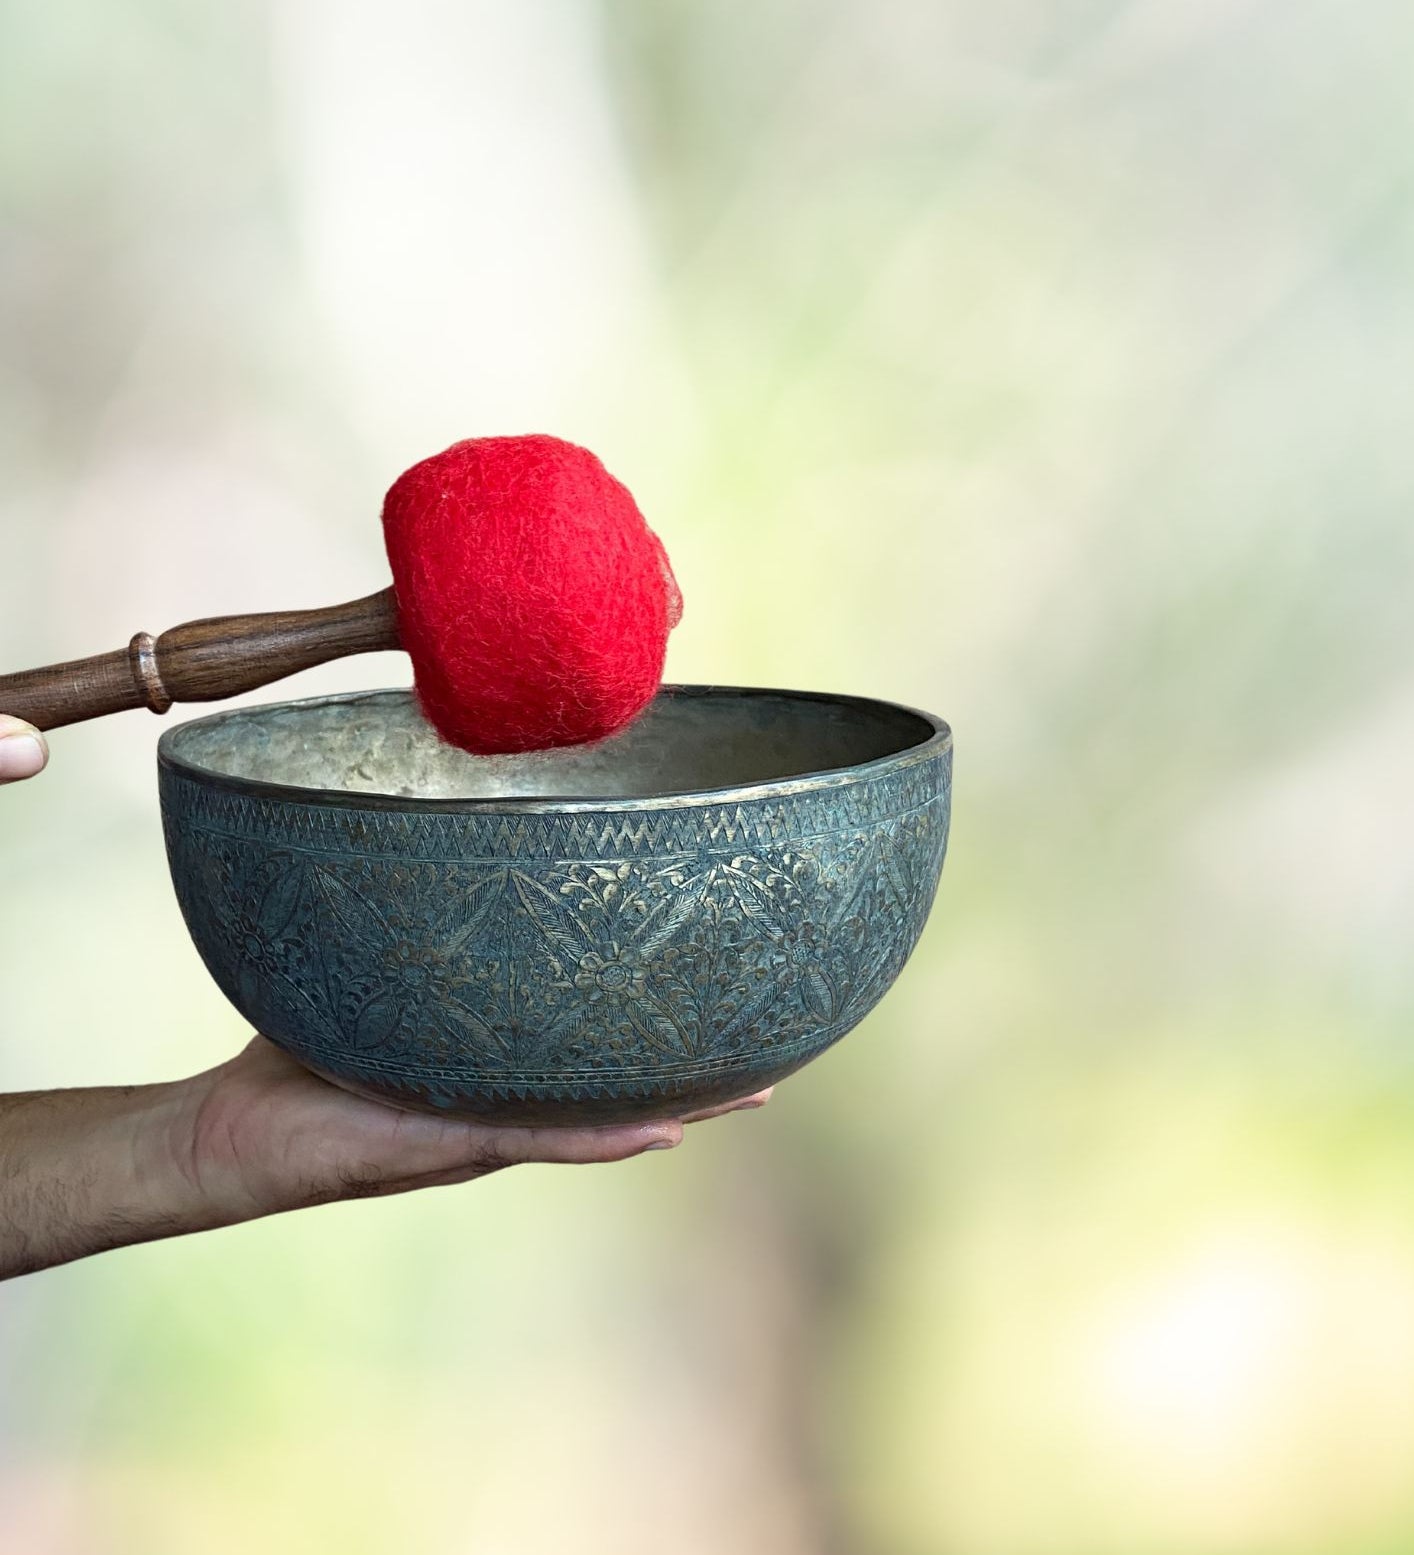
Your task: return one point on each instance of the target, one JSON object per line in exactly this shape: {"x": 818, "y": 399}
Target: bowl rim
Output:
{"x": 937, "y": 742}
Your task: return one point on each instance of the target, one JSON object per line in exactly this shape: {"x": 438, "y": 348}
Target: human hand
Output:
{"x": 82, "y": 1171}
{"x": 261, "y": 1135}
{"x": 23, "y": 752}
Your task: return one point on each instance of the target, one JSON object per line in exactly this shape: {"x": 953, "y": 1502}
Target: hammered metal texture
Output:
{"x": 582, "y": 966}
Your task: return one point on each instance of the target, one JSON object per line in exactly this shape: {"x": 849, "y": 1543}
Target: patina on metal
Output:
{"x": 676, "y": 916}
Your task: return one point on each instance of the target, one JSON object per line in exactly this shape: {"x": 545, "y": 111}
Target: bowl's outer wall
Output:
{"x": 561, "y": 967}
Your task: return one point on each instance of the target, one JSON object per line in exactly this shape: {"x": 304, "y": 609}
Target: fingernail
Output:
{"x": 21, "y": 756}
{"x": 662, "y": 1144}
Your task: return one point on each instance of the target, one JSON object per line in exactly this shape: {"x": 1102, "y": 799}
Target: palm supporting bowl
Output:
{"x": 677, "y": 916}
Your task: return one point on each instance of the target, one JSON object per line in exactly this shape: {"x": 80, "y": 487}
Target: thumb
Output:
{"x": 23, "y": 753}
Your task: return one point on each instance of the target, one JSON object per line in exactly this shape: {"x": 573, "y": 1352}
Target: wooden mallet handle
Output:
{"x": 202, "y": 661}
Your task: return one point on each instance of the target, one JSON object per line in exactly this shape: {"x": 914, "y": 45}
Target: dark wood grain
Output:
{"x": 202, "y": 661}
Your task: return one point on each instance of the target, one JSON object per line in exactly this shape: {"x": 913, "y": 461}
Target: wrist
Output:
{"x": 82, "y": 1171}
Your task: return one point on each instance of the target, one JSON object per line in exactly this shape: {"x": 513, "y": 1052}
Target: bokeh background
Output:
{"x": 1046, "y": 363}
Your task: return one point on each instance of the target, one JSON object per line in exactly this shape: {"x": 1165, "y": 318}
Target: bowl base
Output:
{"x": 499, "y": 1109}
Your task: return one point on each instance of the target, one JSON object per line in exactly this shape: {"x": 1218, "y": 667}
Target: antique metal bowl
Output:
{"x": 675, "y": 917}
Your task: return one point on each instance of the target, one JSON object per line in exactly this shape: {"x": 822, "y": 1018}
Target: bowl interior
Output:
{"x": 691, "y": 738}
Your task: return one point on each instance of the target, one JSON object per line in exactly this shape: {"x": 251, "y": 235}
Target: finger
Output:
{"x": 492, "y": 1149}
{"x": 23, "y": 752}
{"x": 498, "y": 1147}
{"x": 743, "y": 1104}
{"x": 463, "y": 1152}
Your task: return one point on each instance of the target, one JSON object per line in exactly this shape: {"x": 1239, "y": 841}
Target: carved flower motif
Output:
{"x": 250, "y": 940}
{"x": 415, "y": 970}
{"x": 801, "y": 945}
{"x": 612, "y": 976}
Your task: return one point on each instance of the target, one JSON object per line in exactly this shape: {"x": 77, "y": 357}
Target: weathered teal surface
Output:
{"x": 562, "y": 961}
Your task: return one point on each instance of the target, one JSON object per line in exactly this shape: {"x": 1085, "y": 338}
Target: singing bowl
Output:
{"x": 674, "y": 917}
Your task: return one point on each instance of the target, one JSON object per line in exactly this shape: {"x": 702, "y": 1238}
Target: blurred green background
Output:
{"x": 1044, "y": 363}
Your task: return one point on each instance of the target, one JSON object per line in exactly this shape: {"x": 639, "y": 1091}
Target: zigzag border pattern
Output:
{"x": 670, "y": 1074}
{"x": 630, "y": 1082}
{"x": 491, "y": 836}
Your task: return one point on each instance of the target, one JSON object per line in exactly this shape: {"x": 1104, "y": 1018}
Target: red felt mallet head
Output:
{"x": 533, "y": 599}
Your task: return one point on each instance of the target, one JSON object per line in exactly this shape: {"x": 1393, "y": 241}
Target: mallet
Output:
{"x": 532, "y": 597}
